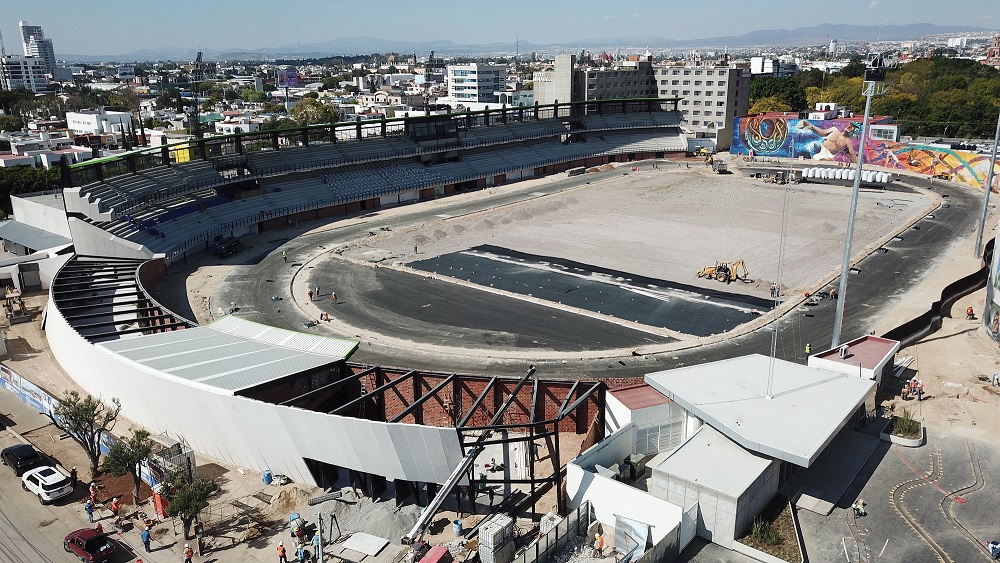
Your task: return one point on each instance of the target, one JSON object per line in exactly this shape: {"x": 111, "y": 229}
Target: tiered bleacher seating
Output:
{"x": 365, "y": 169}
{"x": 123, "y": 193}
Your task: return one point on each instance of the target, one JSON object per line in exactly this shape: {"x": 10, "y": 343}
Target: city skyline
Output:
{"x": 117, "y": 28}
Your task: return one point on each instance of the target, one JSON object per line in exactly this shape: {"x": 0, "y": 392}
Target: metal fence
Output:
{"x": 574, "y": 525}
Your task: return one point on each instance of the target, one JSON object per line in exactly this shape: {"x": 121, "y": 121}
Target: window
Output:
{"x": 721, "y": 93}
{"x": 722, "y": 83}
{"x": 663, "y": 83}
{"x": 684, "y": 103}
{"x": 720, "y": 104}
{"x": 685, "y": 111}
{"x": 686, "y": 92}
{"x": 720, "y": 123}
{"x": 696, "y": 112}
{"x": 674, "y": 82}
{"x": 718, "y": 114}
{"x": 673, "y": 92}
{"x": 687, "y": 73}
{"x": 698, "y": 72}
{"x": 695, "y": 122}
{"x": 697, "y": 102}
{"x": 697, "y": 82}
{"x": 676, "y": 72}
{"x": 709, "y": 82}
{"x": 687, "y": 82}
{"x": 697, "y": 92}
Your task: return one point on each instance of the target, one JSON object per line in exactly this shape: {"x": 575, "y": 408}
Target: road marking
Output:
{"x": 539, "y": 193}
{"x": 444, "y": 216}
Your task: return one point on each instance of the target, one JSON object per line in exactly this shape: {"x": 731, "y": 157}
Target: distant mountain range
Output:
{"x": 802, "y": 36}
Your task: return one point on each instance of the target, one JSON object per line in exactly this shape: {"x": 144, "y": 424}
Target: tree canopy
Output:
{"x": 938, "y": 96}
{"x": 25, "y": 179}
{"x": 85, "y": 419}
{"x": 126, "y": 456}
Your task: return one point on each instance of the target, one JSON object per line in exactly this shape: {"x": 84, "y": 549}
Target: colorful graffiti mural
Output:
{"x": 840, "y": 141}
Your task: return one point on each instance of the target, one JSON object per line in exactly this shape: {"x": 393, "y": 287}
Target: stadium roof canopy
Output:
{"x": 235, "y": 356}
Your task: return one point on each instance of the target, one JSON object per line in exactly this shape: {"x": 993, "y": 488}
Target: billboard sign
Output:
{"x": 288, "y": 78}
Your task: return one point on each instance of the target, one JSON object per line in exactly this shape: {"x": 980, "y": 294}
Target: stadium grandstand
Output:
{"x": 180, "y": 198}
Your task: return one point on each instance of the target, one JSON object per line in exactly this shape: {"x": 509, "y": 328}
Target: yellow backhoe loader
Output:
{"x": 726, "y": 272}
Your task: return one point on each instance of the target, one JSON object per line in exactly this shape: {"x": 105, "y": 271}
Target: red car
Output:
{"x": 89, "y": 545}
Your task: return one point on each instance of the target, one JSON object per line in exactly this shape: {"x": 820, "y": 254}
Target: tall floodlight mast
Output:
{"x": 875, "y": 71}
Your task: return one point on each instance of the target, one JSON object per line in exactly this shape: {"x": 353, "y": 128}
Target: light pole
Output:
{"x": 986, "y": 193}
{"x": 874, "y": 86}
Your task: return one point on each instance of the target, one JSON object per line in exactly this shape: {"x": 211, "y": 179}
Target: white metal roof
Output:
{"x": 313, "y": 343}
{"x": 219, "y": 359}
{"x": 806, "y": 409}
{"x": 714, "y": 461}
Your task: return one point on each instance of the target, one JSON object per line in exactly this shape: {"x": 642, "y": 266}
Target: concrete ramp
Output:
{"x": 818, "y": 488}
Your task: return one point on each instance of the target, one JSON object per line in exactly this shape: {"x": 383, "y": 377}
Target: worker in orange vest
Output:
{"x": 599, "y": 545}
{"x": 282, "y": 558}
{"x": 188, "y": 553}
{"x": 970, "y": 315}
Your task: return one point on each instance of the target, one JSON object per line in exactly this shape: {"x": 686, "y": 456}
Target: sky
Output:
{"x": 108, "y": 27}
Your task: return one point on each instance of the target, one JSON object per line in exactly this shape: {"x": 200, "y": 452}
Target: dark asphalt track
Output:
{"x": 652, "y": 302}
{"x": 882, "y": 277}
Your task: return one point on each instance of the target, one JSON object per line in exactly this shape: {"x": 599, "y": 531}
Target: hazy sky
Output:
{"x": 120, "y": 26}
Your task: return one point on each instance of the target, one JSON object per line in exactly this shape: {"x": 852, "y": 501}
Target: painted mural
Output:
{"x": 839, "y": 141}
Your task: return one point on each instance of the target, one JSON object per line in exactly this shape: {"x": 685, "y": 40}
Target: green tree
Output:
{"x": 249, "y": 95}
{"x": 127, "y": 455}
{"x": 786, "y": 89}
{"x": 25, "y": 179}
{"x": 85, "y": 419}
{"x": 770, "y": 103}
{"x": 11, "y": 123}
{"x": 188, "y": 497}
{"x": 310, "y": 111}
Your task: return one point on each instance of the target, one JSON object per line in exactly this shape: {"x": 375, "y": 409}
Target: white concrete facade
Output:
{"x": 19, "y": 71}
{"x": 713, "y": 97}
{"x": 246, "y": 432}
{"x": 100, "y": 121}
{"x": 474, "y": 82}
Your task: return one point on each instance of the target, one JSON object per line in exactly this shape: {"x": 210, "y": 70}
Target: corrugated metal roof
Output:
{"x": 31, "y": 237}
{"x": 216, "y": 358}
{"x": 313, "y": 343}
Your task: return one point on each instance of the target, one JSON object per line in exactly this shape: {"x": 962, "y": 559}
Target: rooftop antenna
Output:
{"x": 3, "y": 67}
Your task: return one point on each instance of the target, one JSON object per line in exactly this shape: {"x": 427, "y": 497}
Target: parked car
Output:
{"x": 90, "y": 545}
{"x": 47, "y": 483}
{"x": 21, "y": 458}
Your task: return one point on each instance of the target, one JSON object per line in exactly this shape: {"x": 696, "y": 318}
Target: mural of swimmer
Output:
{"x": 835, "y": 141}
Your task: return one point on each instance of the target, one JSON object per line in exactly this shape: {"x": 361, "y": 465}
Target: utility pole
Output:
{"x": 874, "y": 86}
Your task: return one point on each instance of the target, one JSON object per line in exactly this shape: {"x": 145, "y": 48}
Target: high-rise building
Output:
{"x": 20, "y": 71}
{"x": 473, "y": 82}
{"x": 34, "y": 44}
{"x": 28, "y": 32}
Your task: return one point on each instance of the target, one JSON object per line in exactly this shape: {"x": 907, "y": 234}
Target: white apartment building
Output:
{"x": 94, "y": 122}
{"x": 474, "y": 82}
{"x": 17, "y": 71}
{"x": 28, "y": 32}
{"x": 712, "y": 97}
{"x": 632, "y": 78}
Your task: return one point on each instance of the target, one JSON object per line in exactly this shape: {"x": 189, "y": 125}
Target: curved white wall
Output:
{"x": 247, "y": 432}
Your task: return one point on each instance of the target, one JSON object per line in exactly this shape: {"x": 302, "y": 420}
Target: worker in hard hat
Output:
{"x": 859, "y": 508}
{"x": 599, "y": 545}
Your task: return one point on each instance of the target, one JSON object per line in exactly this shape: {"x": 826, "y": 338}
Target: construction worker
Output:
{"x": 808, "y": 349}
{"x": 72, "y": 477}
{"x": 188, "y": 553}
{"x": 282, "y": 558}
{"x": 859, "y": 508}
{"x": 970, "y": 315}
{"x": 89, "y": 509}
{"x": 284, "y": 255}
{"x": 920, "y": 390}
{"x": 599, "y": 545}
{"x": 994, "y": 547}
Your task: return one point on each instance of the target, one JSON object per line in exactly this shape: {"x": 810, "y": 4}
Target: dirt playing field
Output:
{"x": 670, "y": 223}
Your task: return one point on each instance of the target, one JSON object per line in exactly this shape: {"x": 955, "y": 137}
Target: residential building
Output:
{"x": 714, "y": 94}
{"x": 18, "y": 71}
{"x": 94, "y": 122}
{"x": 993, "y": 53}
{"x": 474, "y": 82}
{"x": 28, "y": 32}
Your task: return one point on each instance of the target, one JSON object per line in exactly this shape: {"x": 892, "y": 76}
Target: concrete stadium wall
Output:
{"x": 91, "y": 240}
{"x": 250, "y": 433}
{"x": 47, "y": 218}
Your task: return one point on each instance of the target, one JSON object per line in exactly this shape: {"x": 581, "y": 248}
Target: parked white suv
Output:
{"x": 47, "y": 483}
